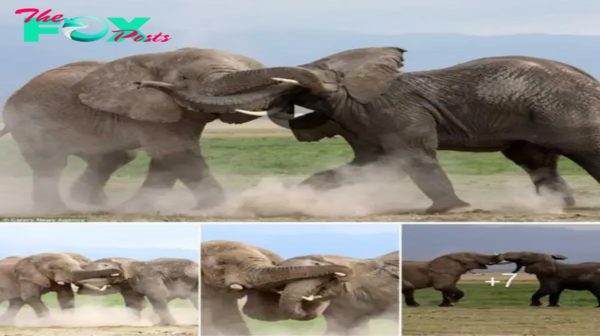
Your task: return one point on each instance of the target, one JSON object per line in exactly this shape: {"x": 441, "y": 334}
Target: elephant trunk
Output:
{"x": 272, "y": 276}
{"x": 297, "y": 298}
{"x": 79, "y": 276}
{"x": 254, "y": 79}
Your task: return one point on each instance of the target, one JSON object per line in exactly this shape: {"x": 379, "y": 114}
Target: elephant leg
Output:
{"x": 541, "y": 165}
{"x": 596, "y": 292}
{"x": 421, "y": 165}
{"x": 450, "y": 294}
{"x": 14, "y": 306}
{"x": 409, "y": 298}
{"x": 221, "y": 316}
{"x": 329, "y": 179}
{"x": 47, "y": 167}
{"x": 66, "y": 298}
{"x": 159, "y": 181}
{"x": 133, "y": 301}
{"x": 89, "y": 186}
{"x": 554, "y": 298}
{"x": 191, "y": 169}
{"x": 31, "y": 294}
{"x": 589, "y": 161}
{"x": 161, "y": 308}
{"x": 194, "y": 300}
{"x": 536, "y": 297}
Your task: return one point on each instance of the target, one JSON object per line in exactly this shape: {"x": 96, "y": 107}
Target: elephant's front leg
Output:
{"x": 134, "y": 301}
{"x": 221, "y": 316}
{"x": 89, "y": 186}
{"x": 450, "y": 294}
{"x": 158, "y": 182}
{"x": 31, "y": 294}
{"x": 47, "y": 165}
{"x": 66, "y": 298}
{"x": 161, "y": 308}
{"x": 191, "y": 169}
{"x": 417, "y": 157}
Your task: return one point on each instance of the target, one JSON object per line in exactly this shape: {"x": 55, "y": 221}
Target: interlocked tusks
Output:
{"x": 283, "y": 116}
{"x": 236, "y": 287}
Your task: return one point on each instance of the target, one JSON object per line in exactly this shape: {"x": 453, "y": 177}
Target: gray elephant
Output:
{"x": 555, "y": 277}
{"x": 231, "y": 270}
{"x": 24, "y": 280}
{"x": 532, "y": 110}
{"x": 94, "y": 110}
{"x": 160, "y": 281}
{"x": 348, "y": 305}
{"x": 443, "y": 273}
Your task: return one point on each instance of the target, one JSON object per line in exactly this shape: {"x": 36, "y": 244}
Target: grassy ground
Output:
{"x": 241, "y": 157}
{"x": 97, "y": 316}
{"x": 498, "y": 310}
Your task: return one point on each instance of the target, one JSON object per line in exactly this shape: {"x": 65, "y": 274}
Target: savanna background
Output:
{"x": 501, "y": 310}
{"x": 295, "y": 240}
{"x": 259, "y": 162}
{"x": 100, "y": 315}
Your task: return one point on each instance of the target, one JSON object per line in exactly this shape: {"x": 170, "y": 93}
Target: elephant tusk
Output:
{"x": 60, "y": 283}
{"x": 236, "y": 287}
{"x": 115, "y": 275}
{"x": 282, "y": 116}
{"x": 340, "y": 274}
{"x": 96, "y": 288}
{"x": 286, "y": 80}
{"x": 312, "y": 297}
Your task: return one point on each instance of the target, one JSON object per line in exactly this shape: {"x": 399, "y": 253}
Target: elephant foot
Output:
{"x": 569, "y": 202}
{"x": 551, "y": 305}
{"x": 446, "y": 304}
{"x": 83, "y": 193}
{"x": 210, "y": 202}
{"x": 457, "y": 206}
{"x": 55, "y": 208}
{"x": 164, "y": 323}
{"x": 413, "y": 304}
{"x": 535, "y": 304}
{"x": 135, "y": 205}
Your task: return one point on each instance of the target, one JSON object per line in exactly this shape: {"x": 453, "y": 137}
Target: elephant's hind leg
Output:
{"x": 14, "y": 306}
{"x": 542, "y": 166}
{"x": 47, "y": 165}
{"x": 89, "y": 186}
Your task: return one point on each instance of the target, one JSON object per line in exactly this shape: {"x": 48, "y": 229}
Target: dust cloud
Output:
{"x": 94, "y": 316}
{"x": 367, "y": 191}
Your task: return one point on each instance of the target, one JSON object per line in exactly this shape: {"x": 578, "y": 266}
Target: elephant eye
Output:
{"x": 183, "y": 77}
{"x": 221, "y": 262}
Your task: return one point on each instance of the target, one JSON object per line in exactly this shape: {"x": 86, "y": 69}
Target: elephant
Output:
{"x": 231, "y": 270}
{"x": 532, "y": 110}
{"x": 348, "y": 305}
{"x": 96, "y": 111}
{"x": 442, "y": 273}
{"x": 160, "y": 281}
{"x": 25, "y": 279}
{"x": 555, "y": 277}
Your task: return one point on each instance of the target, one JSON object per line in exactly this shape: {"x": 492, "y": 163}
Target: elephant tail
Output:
{"x": 4, "y": 131}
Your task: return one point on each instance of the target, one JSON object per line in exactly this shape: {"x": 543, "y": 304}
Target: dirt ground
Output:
{"x": 100, "y": 331}
{"x": 500, "y": 321}
{"x": 495, "y": 199}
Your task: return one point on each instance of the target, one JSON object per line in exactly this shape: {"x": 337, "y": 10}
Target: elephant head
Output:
{"x": 459, "y": 263}
{"x": 535, "y": 263}
{"x": 154, "y": 87}
{"x": 128, "y": 269}
{"x": 60, "y": 268}
{"x": 352, "y": 77}
{"x": 238, "y": 266}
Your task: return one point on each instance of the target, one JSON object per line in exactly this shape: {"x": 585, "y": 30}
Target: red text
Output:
{"x": 42, "y": 17}
{"x": 132, "y": 33}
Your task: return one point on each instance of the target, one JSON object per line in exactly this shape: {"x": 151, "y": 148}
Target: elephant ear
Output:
{"x": 454, "y": 263}
{"x": 111, "y": 88}
{"x": 366, "y": 73}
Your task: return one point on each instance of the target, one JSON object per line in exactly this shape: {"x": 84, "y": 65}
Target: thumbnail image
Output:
{"x": 500, "y": 279}
{"x": 128, "y": 279}
{"x": 300, "y": 279}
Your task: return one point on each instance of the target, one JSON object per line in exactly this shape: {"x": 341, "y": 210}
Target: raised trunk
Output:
{"x": 278, "y": 275}
{"x": 105, "y": 273}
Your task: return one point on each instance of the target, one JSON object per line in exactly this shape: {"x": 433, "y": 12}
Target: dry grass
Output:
{"x": 500, "y": 321}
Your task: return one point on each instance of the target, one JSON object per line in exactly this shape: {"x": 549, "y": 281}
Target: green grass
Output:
{"x": 498, "y": 296}
{"x": 284, "y": 156}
